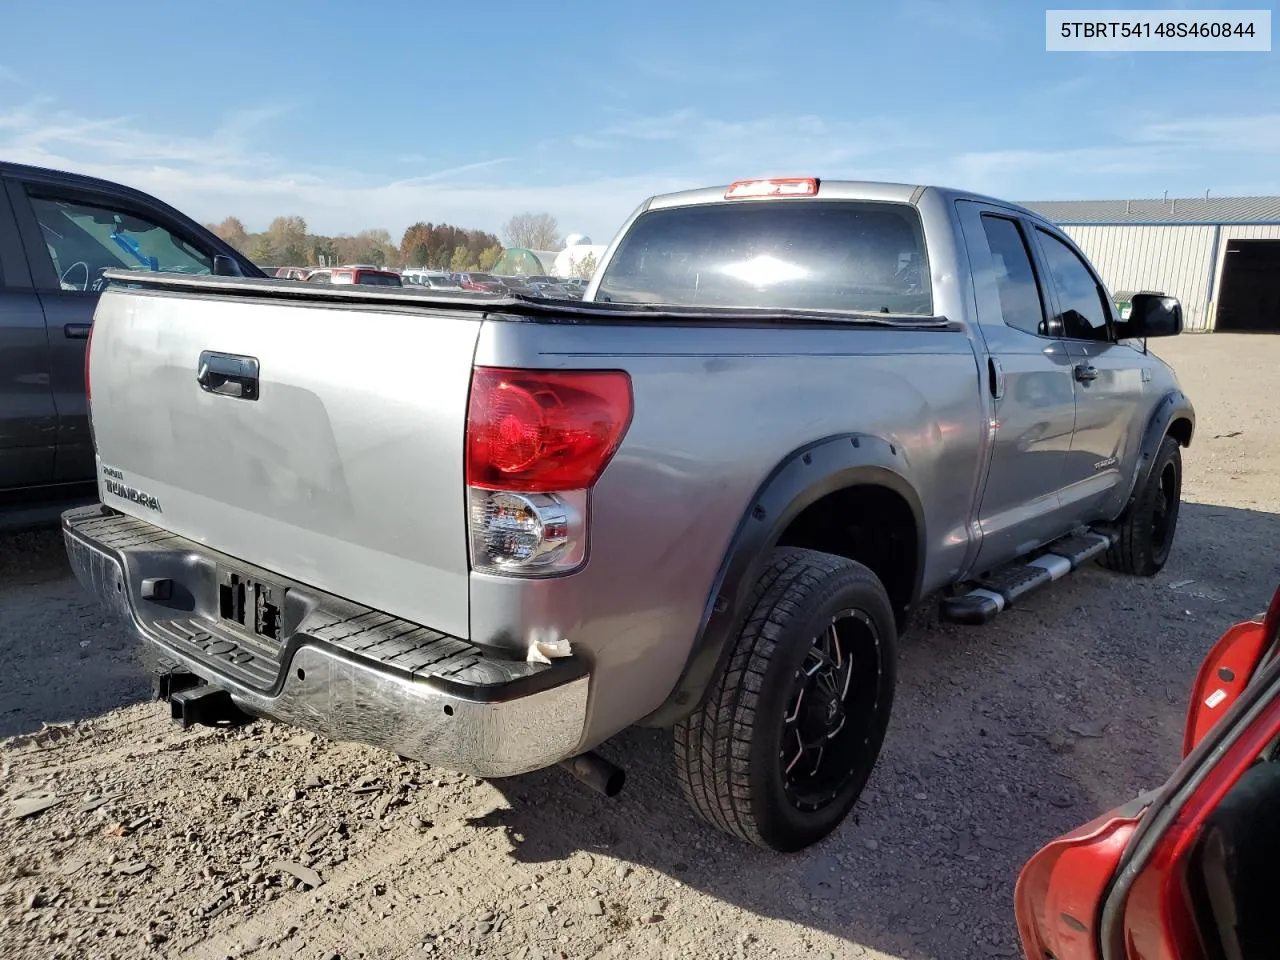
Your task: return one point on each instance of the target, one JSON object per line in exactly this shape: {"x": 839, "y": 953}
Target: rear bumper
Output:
{"x": 340, "y": 669}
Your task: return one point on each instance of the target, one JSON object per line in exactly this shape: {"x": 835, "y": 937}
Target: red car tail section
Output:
{"x": 1060, "y": 890}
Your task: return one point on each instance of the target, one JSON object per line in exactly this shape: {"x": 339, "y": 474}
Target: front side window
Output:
{"x": 85, "y": 239}
{"x": 1081, "y": 300}
{"x": 830, "y": 255}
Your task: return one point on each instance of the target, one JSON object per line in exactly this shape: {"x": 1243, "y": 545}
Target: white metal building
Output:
{"x": 1219, "y": 256}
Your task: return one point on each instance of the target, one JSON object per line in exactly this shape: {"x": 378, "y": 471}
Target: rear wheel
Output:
{"x": 1147, "y": 528}
{"x": 790, "y": 731}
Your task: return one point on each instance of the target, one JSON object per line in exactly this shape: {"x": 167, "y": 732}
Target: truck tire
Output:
{"x": 789, "y": 732}
{"x": 1147, "y": 527}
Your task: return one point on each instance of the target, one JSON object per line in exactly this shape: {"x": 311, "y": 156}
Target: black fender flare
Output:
{"x": 1174, "y": 405}
{"x": 801, "y": 479}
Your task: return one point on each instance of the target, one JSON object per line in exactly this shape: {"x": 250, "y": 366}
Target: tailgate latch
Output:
{"x": 228, "y": 375}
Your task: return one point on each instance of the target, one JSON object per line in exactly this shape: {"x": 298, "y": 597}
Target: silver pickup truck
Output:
{"x": 491, "y": 532}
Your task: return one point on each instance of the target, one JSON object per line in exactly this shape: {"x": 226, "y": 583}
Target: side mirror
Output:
{"x": 224, "y": 266}
{"x": 1152, "y": 315}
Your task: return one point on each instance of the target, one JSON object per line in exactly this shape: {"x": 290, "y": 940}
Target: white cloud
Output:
{"x": 211, "y": 177}
{"x": 592, "y": 182}
{"x": 1252, "y": 134}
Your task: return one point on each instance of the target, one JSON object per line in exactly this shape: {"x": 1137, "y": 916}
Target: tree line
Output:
{"x": 436, "y": 246}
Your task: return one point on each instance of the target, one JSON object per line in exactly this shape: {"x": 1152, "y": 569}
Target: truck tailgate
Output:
{"x": 344, "y": 472}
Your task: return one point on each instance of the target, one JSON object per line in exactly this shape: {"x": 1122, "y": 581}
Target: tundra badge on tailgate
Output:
{"x": 113, "y": 482}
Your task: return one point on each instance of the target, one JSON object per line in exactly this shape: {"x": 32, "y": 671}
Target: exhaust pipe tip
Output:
{"x": 597, "y": 773}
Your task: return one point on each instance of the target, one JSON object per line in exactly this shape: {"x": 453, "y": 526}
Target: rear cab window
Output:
{"x": 830, "y": 255}
{"x": 380, "y": 279}
{"x": 1019, "y": 289}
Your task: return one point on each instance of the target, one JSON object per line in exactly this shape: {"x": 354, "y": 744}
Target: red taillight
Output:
{"x": 778, "y": 187}
{"x": 540, "y": 431}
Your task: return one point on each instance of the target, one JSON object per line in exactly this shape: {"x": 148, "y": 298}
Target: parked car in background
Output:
{"x": 291, "y": 273}
{"x": 556, "y": 290}
{"x": 437, "y": 279}
{"x": 371, "y": 276}
{"x": 441, "y": 282}
{"x": 518, "y": 285}
{"x": 480, "y": 282}
{"x": 708, "y": 498}
{"x": 1186, "y": 871}
{"x": 58, "y": 233}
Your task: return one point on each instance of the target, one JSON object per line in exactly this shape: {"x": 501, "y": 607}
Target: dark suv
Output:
{"x": 58, "y": 233}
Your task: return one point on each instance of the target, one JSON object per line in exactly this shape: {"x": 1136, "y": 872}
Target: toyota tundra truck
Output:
{"x": 491, "y": 531}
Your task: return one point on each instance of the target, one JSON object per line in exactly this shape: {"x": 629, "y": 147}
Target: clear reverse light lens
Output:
{"x": 527, "y": 534}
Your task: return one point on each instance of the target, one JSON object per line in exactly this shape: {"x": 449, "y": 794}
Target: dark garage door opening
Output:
{"x": 1249, "y": 301}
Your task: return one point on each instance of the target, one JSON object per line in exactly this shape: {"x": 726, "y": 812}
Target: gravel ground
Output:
{"x": 270, "y": 842}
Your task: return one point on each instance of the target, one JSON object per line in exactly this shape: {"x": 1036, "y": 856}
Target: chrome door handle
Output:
{"x": 1086, "y": 373}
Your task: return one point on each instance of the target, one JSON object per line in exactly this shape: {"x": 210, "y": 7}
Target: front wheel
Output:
{"x": 1147, "y": 528}
{"x": 782, "y": 746}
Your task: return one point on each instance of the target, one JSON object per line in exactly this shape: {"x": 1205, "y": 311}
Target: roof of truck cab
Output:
{"x": 876, "y": 190}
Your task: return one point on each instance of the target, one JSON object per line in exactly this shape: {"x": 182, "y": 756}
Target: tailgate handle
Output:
{"x": 228, "y": 375}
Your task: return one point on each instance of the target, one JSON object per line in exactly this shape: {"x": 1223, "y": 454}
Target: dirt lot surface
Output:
{"x": 268, "y": 842}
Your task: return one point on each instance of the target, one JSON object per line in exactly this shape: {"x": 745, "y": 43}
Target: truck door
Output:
{"x": 72, "y": 235}
{"x": 1029, "y": 378}
{"x": 28, "y": 419}
{"x": 1109, "y": 384}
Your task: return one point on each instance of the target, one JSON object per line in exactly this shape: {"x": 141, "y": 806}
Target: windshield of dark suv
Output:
{"x": 841, "y": 255}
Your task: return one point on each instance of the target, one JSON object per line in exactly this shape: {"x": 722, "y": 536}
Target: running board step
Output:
{"x": 999, "y": 590}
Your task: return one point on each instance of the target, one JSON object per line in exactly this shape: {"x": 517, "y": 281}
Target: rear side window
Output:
{"x": 1020, "y": 301}
{"x": 380, "y": 280}
{"x": 841, "y": 255}
{"x": 1085, "y": 313}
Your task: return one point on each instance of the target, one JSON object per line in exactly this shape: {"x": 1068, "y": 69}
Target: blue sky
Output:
{"x": 384, "y": 114}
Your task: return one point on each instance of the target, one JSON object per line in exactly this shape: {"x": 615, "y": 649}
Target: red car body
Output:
{"x": 371, "y": 276}
{"x": 480, "y": 282}
{"x": 1173, "y": 874}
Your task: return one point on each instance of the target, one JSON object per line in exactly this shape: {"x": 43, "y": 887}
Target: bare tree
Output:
{"x": 533, "y": 231}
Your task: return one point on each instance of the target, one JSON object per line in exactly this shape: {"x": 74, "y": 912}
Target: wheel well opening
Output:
{"x": 1180, "y": 430}
{"x": 869, "y": 524}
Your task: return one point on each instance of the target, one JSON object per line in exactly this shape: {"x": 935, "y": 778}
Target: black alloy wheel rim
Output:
{"x": 1162, "y": 513}
{"x": 831, "y": 711}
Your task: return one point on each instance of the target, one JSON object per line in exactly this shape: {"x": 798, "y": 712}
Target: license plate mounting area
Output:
{"x": 252, "y": 605}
